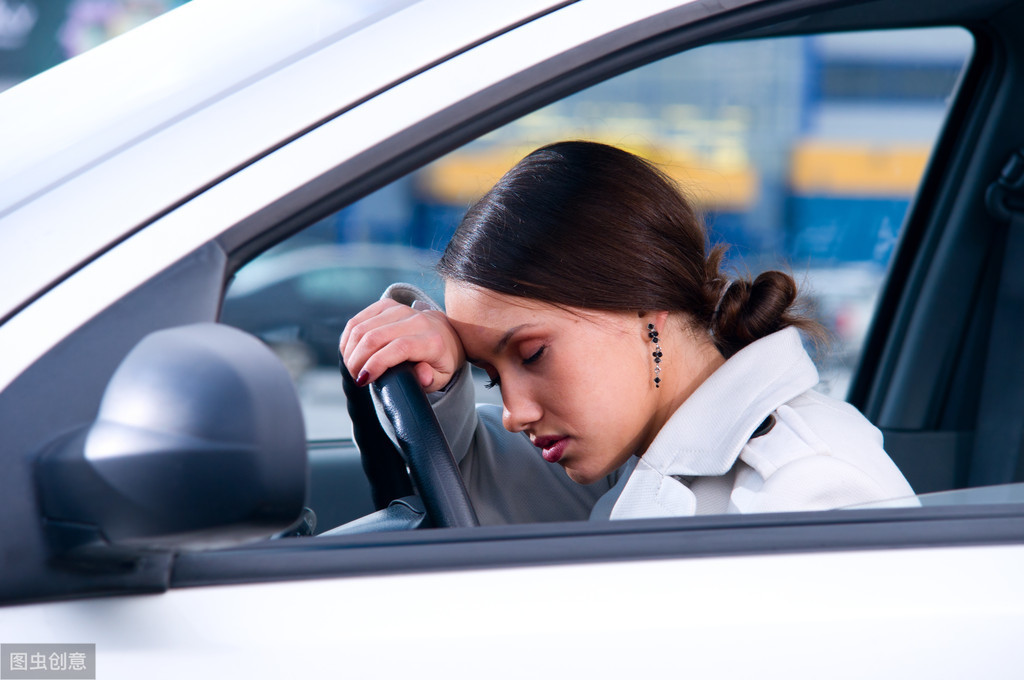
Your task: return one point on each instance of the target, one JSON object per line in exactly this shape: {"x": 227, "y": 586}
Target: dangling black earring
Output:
{"x": 653, "y": 335}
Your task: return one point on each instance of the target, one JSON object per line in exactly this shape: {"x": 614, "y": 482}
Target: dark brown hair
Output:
{"x": 587, "y": 225}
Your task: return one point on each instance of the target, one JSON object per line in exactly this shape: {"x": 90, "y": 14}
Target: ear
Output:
{"x": 657, "y": 318}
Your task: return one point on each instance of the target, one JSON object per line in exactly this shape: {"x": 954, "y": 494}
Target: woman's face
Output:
{"x": 578, "y": 382}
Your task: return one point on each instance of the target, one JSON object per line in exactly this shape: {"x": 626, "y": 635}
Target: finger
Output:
{"x": 409, "y": 338}
{"x": 424, "y": 373}
{"x": 356, "y": 335}
{"x": 366, "y": 314}
{"x": 425, "y": 350}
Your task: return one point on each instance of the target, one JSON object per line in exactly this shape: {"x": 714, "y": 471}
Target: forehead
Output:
{"x": 475, "y": 306}
{"x": 482, "y": 317}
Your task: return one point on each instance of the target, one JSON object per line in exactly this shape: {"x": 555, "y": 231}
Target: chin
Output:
{"x": 582, "y": 476}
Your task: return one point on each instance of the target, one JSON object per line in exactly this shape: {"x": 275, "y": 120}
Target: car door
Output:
{"x": 876, "y": 592}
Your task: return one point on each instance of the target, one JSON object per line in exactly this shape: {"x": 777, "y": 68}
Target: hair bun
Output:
{"x": 751, "y": 310}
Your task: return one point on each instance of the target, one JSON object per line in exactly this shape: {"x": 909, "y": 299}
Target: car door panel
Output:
{"x": 800, "y": 615}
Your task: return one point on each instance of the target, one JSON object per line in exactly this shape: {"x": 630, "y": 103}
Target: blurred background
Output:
{"x": 38, "y": 34}
{"x": 803, "y": 153}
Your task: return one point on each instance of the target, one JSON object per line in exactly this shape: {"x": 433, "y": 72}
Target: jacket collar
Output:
{"x": 707, "y": 433}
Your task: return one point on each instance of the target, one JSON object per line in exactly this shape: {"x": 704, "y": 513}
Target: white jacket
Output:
{"x": 820, "y": 453}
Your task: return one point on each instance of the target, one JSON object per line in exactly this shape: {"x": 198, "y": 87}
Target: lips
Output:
{"x": 552, "y": 448}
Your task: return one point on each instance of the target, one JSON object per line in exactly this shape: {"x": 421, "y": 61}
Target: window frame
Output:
{"x": 425, "y": 550}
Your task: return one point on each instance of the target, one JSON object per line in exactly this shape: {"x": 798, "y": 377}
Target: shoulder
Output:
{"x": 822, "y": 453}
{"x": 811, "y": 424}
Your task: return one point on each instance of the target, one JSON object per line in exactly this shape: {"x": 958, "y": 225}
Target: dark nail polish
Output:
{"x": 362, "y": 378}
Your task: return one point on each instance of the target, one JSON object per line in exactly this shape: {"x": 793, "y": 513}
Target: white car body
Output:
{"x": 176, "y": 151}
{"x": 874, "y": 613}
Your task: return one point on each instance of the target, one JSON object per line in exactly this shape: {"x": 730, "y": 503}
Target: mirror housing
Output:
{"x": 199, "y": 443}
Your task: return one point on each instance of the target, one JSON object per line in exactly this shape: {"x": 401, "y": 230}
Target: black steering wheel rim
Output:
{"x": 432, "y": 466}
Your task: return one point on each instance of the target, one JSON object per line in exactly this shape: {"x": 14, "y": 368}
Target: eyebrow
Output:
{"x": 508, "y": 336}
{"x": 503, "y": 342}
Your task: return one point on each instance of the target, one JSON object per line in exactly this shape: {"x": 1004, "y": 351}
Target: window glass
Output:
{"x": 803, "y": 153}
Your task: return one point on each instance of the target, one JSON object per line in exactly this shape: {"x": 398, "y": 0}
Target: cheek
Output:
{"x": 628, "y": 367}
{"x": 607, "y": 390}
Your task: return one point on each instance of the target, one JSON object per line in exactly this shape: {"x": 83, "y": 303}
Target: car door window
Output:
{"x": 803, "y": 153}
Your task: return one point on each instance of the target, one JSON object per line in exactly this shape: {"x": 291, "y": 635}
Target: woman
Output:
{"x": 636, "y": 379}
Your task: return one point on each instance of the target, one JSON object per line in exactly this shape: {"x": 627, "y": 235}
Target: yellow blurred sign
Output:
{"x": 857, "y": 169}
{"x": 724, "y": 182}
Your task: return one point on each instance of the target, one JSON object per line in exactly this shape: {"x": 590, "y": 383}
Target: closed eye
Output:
{"x": 536, "y": 355}
{"x": 496, "y": 381}
{"x": 481, "y": 367}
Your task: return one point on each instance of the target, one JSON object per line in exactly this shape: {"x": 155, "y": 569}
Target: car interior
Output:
{"x": 938, "y": 369}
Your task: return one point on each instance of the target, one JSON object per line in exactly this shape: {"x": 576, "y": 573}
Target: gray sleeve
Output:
{"x": 506, "y": 477}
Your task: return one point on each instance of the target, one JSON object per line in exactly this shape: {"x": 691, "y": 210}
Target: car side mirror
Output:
{"x": 199, "y": 442}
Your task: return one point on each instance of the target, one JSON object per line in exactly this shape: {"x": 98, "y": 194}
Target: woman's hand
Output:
{"x": 388, "y": 333}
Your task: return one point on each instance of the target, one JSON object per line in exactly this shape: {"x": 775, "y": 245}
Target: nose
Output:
{"x": 519, "y": 408}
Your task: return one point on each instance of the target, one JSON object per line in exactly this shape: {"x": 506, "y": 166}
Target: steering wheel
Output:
{"x": 431, "y": 464}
